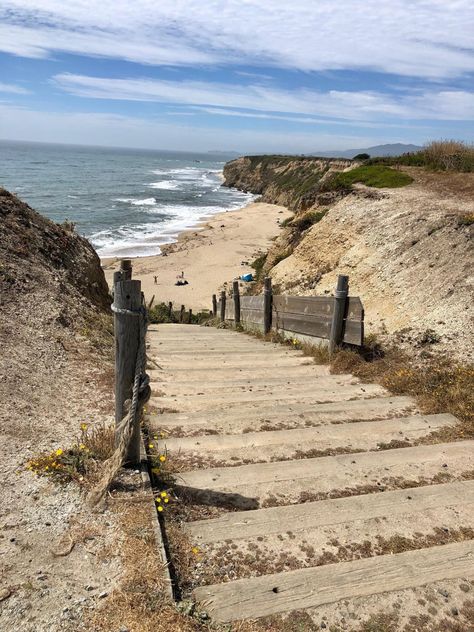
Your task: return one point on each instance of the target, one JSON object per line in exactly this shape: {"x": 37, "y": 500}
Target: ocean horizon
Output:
{"x": 127, "y": 202}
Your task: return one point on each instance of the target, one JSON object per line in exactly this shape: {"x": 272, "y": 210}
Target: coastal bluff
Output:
{"x": 292, "y": 181}
{"x": 403, "y": 235}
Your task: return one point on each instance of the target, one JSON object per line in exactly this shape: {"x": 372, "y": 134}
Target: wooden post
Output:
{"x": 214, "y": 305}
{"x": 170, "y": 310}
{"x": 126, "y": 269}
{"x": 181, "y": 314}
{"x": 267, "y": 305}
{"x": 223, "y": 306}
{"x": 340, "y": 298}
{"x": 117, "y": 279}
{"x": 190, "y": 316}
{"x": 236, "y": 294}
{"x": 127, "y": 333}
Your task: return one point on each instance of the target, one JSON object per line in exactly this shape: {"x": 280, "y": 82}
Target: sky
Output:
{"x": 237, "y": 75}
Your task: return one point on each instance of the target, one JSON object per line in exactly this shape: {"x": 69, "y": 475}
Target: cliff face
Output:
{"x": 291, "y": 181}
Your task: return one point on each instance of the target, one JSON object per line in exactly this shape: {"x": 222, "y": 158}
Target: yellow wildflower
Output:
{"x": 162, "y": 458}
{"x": 58, "y": 452}
{"x": 150, "y": 445}
{"x": 163, "y": 494}
{"x": 167, "y": 500}
{"x": 82, "y": 447}
{"x": 158, "y": 500}
{"x": 83, "y": 427}
{"x": 195, "y": 550}
{"x": 160, "y": 508}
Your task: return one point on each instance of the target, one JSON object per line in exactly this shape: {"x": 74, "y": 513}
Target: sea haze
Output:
{"x": 128, "y": 202}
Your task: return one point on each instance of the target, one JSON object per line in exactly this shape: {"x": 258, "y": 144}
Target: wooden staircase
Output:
{"x": 335, "y": 491}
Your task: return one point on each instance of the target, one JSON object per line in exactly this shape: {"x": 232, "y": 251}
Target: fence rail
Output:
{"x": 337, "y": 319}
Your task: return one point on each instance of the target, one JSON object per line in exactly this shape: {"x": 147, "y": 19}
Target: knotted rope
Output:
{"x": 125, "y": 429}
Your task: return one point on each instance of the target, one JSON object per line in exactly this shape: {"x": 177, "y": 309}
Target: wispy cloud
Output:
{"x": 13, "y": 89}
{"x": 111, "y": 129}
{"x": 334, "y": 104}
{"x": 430, "y": 39}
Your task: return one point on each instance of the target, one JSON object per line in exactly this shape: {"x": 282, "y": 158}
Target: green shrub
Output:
{"x": 361, "y": 157}
{"x": 258, "y": 265}
{"x": 373, "y": 175}
{"x": 308, "y": 219}
{"x": 286, "y": 222}
{"x": 281, "y": 256}
{"x": 160, "y": 314}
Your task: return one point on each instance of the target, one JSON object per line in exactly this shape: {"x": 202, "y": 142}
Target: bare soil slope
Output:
{"x": 54, "y": 374}
{"x": 408, "y": 253}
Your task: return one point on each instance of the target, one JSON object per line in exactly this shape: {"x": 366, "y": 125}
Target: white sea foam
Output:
{"x": 167, "y": 185}
{"x": 134, "y": 240}
{"x": 137, "y": 201}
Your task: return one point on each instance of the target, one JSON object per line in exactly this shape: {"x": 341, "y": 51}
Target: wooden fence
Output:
{"x": 338, "y": 319}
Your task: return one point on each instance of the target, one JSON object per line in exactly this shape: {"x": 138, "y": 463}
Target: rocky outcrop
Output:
{"x": 292, "y": 181}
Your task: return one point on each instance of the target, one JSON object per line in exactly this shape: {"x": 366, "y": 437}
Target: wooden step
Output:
{"x": 249, "y": 400}
{"x": 283, "y": 482}
{"x": 256, "y": 385}
{"x": 210, "y": 374}
{"x": 293, "y": 415}
{"x": 284, "y": 444}
{"x": 233, "y": 361}
{"x": 244, "y": 525}
{"x": 252, "y": 598}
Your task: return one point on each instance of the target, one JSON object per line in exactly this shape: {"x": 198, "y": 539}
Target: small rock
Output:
{"x": 103, "y": 594}
{"x": 465, "y": 587}
{"x": 5, "y": 593}
{"x": 443, "y": 592}
{"x": 454, "y": 612}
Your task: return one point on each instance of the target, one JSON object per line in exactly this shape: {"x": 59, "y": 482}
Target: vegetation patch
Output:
{"x": 444, "y": 155}
{"x": 93, "y": 445}
{"x": 438, "y": 385}
{"x": 308, "y": 219}
{"x": 373, "y": 175}
{"x": 258, "y": 265}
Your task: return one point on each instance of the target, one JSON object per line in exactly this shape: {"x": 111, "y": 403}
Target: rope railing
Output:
{"x": 132, "y": 384}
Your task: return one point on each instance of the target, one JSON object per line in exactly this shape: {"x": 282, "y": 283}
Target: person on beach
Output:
{"x": 156, "y": 279}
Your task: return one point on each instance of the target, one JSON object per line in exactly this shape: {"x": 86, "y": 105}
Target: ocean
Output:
{"x": 127, "y": 202}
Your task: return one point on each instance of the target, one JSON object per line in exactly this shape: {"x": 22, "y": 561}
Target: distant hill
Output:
{"x": 390, "y": 149}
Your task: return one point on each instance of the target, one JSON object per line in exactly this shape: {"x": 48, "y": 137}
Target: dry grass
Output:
{"x": 79, "y": 462}
{"x": 449, "y": 155}
{"x": 438, "y": 385}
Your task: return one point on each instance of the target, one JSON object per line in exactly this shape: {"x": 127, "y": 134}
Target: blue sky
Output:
{"x": 243, "y": 75}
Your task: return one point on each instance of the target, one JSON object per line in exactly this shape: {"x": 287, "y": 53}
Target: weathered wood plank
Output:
{"x": 243, "y": 525}
{"x": 359, "y": 435}
{"x": 316, "y": 305}
{"x": 251, "y": 302}
{"x": 320, "y": 474}
{"x": 317, "y": 326}
{"x": 312, "y": 587}
{"x": 251, "y": 315}
{"x": 229, "y": 309}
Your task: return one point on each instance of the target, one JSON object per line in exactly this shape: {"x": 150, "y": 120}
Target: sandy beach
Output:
{"x": 209, "y": 255}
